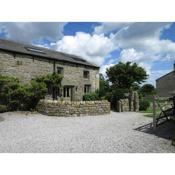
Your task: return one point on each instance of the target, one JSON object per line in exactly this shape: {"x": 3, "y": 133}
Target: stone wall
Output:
{"x": 27, "y": 67}
{"x": 165, "y": 85}
{"x": 23, "y": 67}
{"x": 73, "y": 76}
{"x": 128, "y": 104}
{"x": 74, "y": 108}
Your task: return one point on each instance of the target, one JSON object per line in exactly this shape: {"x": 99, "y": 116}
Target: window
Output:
{"x": 60, "y": 70}
{"x": 67, "y": 91}
{"x": 19, "y": 63}
{"x": 35, "y": 50}
{"x": 87, "y": 88}
{"x": 78, "y": 59}
{"x": 86, "y": 74}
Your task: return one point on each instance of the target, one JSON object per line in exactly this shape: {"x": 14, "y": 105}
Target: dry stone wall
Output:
{"x": 128, "y": 104}
{"x": 73, "y": 108}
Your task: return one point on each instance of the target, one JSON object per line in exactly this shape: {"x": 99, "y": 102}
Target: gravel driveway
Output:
{"x": 109, "y": 133}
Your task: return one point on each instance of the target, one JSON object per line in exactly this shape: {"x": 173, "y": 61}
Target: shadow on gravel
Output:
{"x": 1, "y": 119}
{"x": 166, "y": 130}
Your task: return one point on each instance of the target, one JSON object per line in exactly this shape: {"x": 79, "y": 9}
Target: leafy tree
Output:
{"x": 125, "y": 75}
{"x": 104, "y": 86}
{"x": 52, "y": 81}
{"x": 117, "y": 94}
{"x": 136, "y": 87}
{"x": 147, "y": 89}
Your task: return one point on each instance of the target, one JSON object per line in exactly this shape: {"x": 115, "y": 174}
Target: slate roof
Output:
{"x": 15, "y": 47}
{"x": 164, "y": 75}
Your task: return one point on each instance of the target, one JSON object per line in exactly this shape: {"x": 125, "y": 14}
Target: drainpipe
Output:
{"x": 53, "y": 90}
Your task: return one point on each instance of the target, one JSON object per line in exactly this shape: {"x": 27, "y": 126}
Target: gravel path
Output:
{"x": 109, "y": 133}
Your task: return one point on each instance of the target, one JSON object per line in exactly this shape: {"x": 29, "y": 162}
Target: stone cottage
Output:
{"x": 27, "y": 61}
{"x": 165, "y": 85}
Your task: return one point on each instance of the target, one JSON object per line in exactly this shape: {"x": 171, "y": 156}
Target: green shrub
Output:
{"x": 34, "y": 93}
{"x": 116, "y": 95}
{"x": 20, "y": 97}
{"x": 93, "y": 96}
{"x": 144, "y": 105}
{"x": 147, "y": 90}
{"x": 3, "y": 108}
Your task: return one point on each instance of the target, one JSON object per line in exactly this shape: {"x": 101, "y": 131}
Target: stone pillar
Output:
{"x": 131, "y": 101}
{"x": 136, "y": 101}
{"x": 119, "y": 106}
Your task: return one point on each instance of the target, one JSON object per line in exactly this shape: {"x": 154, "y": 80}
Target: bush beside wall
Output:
{"x": 3, "y": 108}
{"x": 144, "y": 105}
{"x": 93, "y": 96}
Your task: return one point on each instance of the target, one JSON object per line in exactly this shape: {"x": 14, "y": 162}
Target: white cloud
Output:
{"x": 140, "y": 36}
{"x": 29, "y": 31}
{"x": 109, "y": 27}
{"x": 94, "y": 47}
{"x": 104, "y": 67}
{"x": 144, "y": 37}
{"x": 131, "y": 55}
{"x": 155, "y": 74}
{"x": 141, "y": 58}
{"x": 140, "y": 41}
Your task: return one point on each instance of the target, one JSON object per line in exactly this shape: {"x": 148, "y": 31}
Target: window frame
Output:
{"x": 67, "y": 91}
{"x": 87, "y": 76}
{"x": 61, "y": 69}
{"x": 87, "y": 88}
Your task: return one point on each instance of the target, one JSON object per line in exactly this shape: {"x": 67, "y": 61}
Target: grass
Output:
{"x": 149, "y": 111}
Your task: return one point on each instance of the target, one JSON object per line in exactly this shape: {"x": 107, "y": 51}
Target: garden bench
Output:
{"x": 166, "y": 112}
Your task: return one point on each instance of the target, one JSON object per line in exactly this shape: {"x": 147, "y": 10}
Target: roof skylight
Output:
{"x": 35, "y": 50}
{"x": 78, "y": 59}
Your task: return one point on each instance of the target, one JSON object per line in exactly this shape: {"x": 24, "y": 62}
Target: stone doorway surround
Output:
{"x": 68, "y": 92}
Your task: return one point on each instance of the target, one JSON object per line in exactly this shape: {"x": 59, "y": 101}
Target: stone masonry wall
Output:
{"x": 74, "y": 108}
{"x": 73, "y": 76}
{"x": 23, "y": 67}
{"x": 166, "y": 85}
{"x": 27, "y": 67}
{"x": 128, "y": 104}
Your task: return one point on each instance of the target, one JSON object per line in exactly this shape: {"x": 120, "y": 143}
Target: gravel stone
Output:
{"x": 114, "y": 133}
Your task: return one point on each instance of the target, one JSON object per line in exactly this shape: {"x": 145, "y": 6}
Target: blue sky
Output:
{"x": 151, "y": 45}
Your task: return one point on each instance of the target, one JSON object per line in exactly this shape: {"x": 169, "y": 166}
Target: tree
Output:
{"x": 104, "y": 86}
{"x": 147, "y": 89}
{"x": 125, "y": 75}
{"x": 52, "y": 81}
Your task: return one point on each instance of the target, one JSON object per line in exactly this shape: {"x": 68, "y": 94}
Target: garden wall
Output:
{"x": 128, "y": 104}
{"x": 73, "y": 108}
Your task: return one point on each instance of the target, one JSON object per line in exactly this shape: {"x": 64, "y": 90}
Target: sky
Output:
{"x": 150, "y": 45}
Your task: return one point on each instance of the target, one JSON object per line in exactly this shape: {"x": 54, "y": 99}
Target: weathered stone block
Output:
{"x": 84, "y": 108}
